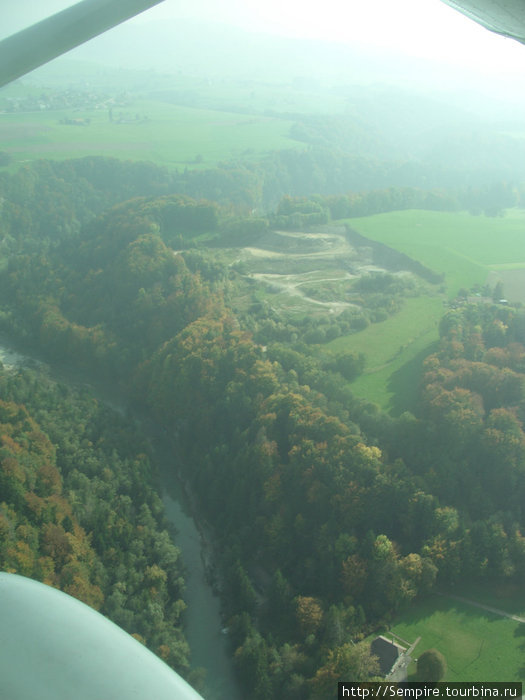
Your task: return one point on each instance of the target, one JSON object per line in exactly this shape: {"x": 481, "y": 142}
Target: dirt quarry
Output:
{"x": 314, "y": 268}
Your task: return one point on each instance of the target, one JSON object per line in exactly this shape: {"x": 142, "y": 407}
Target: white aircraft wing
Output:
{"x": 53, "y": 647}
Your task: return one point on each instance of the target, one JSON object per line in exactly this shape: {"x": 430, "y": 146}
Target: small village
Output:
{"x": 70, "y": 98}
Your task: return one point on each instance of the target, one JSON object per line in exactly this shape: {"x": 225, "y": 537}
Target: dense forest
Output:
{"x": 80, "y": 512}
{"x": 328, "y": 515}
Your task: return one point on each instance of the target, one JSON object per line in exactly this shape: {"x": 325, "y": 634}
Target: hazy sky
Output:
{"x": 419, "y": 27}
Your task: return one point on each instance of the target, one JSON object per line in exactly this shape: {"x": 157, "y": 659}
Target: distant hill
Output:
{"x": 220, "y": 50}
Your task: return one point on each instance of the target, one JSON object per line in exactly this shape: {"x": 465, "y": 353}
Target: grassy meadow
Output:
{"x": 502, "y": 595}
{"x": 394, "y": 350}
{"x": 468, "y": 250}
{"x": 166, "y": 134}
{"x": 478, "y": 645}
{"x": 464, "y": 248}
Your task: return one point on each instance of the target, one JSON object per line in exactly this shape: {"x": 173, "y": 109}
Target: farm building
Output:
{"x": 388, "y": 652}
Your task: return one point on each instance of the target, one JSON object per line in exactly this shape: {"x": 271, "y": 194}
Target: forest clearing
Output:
{"x": 475, "y": 643}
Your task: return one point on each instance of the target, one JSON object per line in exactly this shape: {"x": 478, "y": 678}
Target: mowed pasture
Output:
{"x": 468, "y": 250}
{"x": 168, "y": 135}
{"x": 394, "y": 351}
{"x": 464, "y": 248}
{"x": 478, "y": 645}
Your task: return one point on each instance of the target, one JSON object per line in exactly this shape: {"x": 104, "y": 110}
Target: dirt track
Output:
{"x": 481, "y": 606}
{"x": 311, "y": 258}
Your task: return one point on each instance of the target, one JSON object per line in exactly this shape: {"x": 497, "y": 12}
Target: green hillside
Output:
{"x": 394, "y": 349}
{"x": 463, "y": 247}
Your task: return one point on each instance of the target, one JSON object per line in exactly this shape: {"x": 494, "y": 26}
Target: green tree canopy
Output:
{"x": 431, "y": 665}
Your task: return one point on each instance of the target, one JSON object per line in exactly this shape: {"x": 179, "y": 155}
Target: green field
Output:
{"x": 255, "y": 97}
{"x": 165, "y": 134}
{"x": 463, "y": 247}
{"x": 468, "y": 250}
{"x": 394, "y": 349}
{"x": 509, "y": 596}
{"x": 478, "y": 645}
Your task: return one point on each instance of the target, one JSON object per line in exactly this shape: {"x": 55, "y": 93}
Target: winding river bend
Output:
{"x": 203, "y": 623}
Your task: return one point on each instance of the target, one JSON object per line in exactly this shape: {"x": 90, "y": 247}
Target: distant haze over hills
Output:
{"x": 212, "y": 50}
{"x": 343, "y": 97}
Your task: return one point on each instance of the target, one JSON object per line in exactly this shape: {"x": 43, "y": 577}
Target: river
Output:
{"x": 203, "y": 623}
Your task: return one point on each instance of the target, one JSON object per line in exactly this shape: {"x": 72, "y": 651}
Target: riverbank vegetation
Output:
{"x": 328, "y": 515}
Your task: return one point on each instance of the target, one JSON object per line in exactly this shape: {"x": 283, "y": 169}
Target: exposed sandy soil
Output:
{"x": 309, "y": 258}
{"x": 290, "y": 284}
{"x": 261, "y": 253}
